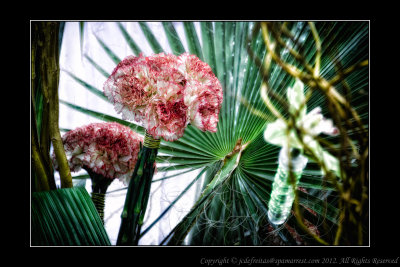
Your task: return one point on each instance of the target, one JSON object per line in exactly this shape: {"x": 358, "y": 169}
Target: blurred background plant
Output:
{"x": 350, "y": 147}
{"x": 230, "y": 172}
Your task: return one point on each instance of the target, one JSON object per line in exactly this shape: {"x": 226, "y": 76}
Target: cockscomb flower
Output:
{"x": 165, "y": 93}
{"x": 203, "y": 93}
{"x": 108, "y": 149}
{"x": 150, "y": 90}
{"x": 129, "y": 87}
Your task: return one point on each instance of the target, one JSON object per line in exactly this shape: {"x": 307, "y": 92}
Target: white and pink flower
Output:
{"x": 129, "y": 87}
{"x": 165, "y": 93}
{"x": 109, "y": 149}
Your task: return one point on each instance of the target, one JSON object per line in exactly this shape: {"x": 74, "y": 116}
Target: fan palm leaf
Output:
{"x": 66, "y": 217}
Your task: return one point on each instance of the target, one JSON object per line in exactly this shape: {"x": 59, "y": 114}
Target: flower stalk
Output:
{"x": 100, "y": 185}
{"x": 282, "y": 195}
{"x": 138, "y": 193}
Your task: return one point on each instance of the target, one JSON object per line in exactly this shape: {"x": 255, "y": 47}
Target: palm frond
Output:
{"x": 66, "y": 217}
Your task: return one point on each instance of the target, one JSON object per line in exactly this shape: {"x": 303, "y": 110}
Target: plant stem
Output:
{"x": 138, "y": 194}
{"x": 50, "y": 75}
{"x": 45, "y": 143}
{"x": 99, "y": 202}
{"x": 42, "y": 181}
{"x": 39, "y": 118}
{"x": 100, "y": 185}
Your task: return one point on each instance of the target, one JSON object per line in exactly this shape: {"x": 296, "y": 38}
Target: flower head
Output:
{"x": 312, "y": 123}
{"x": 109, "y": 149}
{"x": 129, "y": 87}
{"x": 165, "y": 93}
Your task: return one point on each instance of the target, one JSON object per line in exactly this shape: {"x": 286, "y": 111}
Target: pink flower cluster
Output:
{"x": 108, "y": 148}
{"x": 166, "y": 92}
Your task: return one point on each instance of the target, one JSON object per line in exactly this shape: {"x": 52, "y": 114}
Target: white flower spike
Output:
{"x": 312, "y": 123}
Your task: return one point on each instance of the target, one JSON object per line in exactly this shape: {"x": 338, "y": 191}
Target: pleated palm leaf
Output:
{"x": 238, "y": 165}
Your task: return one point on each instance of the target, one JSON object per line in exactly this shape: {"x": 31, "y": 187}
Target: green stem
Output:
{"x": 138, "y": 194}
{"x": 100, "y": 185}
{"x": 99, "y": 202}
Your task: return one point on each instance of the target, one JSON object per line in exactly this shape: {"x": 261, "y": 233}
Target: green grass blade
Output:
{"x": 180, "y": 160}
{"x": 180, "y": 231}
{"x": 219, "y": 44}
{"x": 188, "y": 146}
{"x": 81, "y": 34}
{"x": 181, "y": 152}
{"x": 207, "y": 36}
{"x": 180, "y": 167}
{"x": 81, "y": 177}
{"x": 173, "y": 202}
{"x": 172, "y": 175}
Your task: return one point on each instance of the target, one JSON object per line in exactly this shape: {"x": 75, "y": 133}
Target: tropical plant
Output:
{"x": 60, "y": 217}
{"x": 255, "y": 63}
